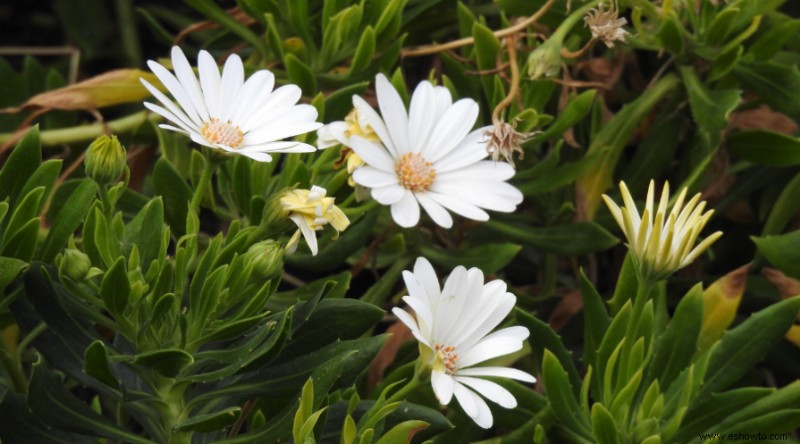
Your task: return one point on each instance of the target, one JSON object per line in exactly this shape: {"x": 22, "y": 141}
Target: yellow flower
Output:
{"x": 661, "y": 242}
{"x": 310, "y": 210}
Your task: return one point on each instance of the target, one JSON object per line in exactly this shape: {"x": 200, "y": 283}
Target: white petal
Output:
{"x": 176, "y": 111}
{"x": 170, "y": 116}
{"x": 424, "y": 272}
{"x": 435, "y": 211}
{"x": 256, "y": 89}
{"x": 332, "y": 134}
{"x": 443, "y": 101}
{"x": 458, "y": 206}
{"x": 500, "y": 372}
{"x": 394, "y": 114}
{"x": 389, "y": 195}
{"x": 232, "y": 81}
{"x": 172, "y": 128}
{"x": 279, "y": 132}
{"x": 488, "y": 349}
{"x": 409, "y": 322}
{"x": 260, "y": 157}
{"x": 288, "y": 146}
{"x": 453, "y": 127}
{"x": 420, "y": 307}
{"x": 183, "y": 70}
{"x": 176, "y": 89}
{"x": 421, "y": 116}
{"x": 373, "y": 177}
{"x": 443, "y": 385}
{"x": 484, "y": 171}
{"x": 373, "y": 154}
{"x": 375, "y": 122}
{"x": 209, "y": 81}
{"x": 471, "y": 150}
{"x": 272, "y": 107}
{"x": 309, "y": 234}
{"x": 406, "y": 211}
{"x": 478, "y": 410}
{"x": 490, "y": 390}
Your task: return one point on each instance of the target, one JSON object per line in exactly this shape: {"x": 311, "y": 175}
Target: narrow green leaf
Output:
{"x": 364, "y": 52}
{"x": 300, "y": 74}
{"x": 169, "y": 361}
{"x": 560, "y": 393}
{"x": 574, "y": 112}
{"x": 10, "y": 268}
{"x": 20, "y": 165}
{"x": 569, "y": 240}
{"x": 211, "y": 10}
{"x": 68, "y": 219}
{"x": 97, "y": 364}
{"x": 544, "y": 340}
{"x": 782, "y": 251}
{"x": 765, "y": 147}
{"x": 210, "y": 422}
{"x": 490, "y": 258}
{"x": 604, "y": 427}
{"x": 402, "y": 433}
{"x": 116, "y": 289}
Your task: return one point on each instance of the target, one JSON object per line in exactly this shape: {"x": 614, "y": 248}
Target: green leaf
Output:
{"x": 574, "y": 112}
{"x": 18, "y": 425}
{"x": 49, "y": 399}
{"x": 381, "y": 290}
{"x": 146, "y": 231}
{"x": 710, "y": 108}
{"x": 96, "y": 364}
{"x": 544, "y": 339}
{"x": 335, "y": 253}
{"x": 765, "y": 147}
{"x": 558, "y": 177}
{"x": 44, "y": 176}
{"x": 20, "y": 166}
{"x": 773, "y": 40}
{"x": 776, "y": 84}
{"x": 782, "y": 251}
{"x": 68, "y": 219}
{"x": 720, "y": 26}
{"x": 402, "y": 433}
{"x": 212, "y": 11}
{"x": 709, "y": 413}
{"x": 671, "y": 34}
{"x": 9, "y": 269}
{"x": 490, "y": 258}
{"x": 300, "y": 74}
{"x": 560, "y": 393}
{"x": 116, "y": 289}
{"x": 364, "y": 52}
{"x": 487, "y": 47}
{"x": 169, "y": 361}
{"x": 784, "y": 209}
{"x": 175, "y": 191}
{"x": 25, "y": 210}
{"x": 676, "y": 346}
{"x": 569, "y": 240}
{"x": 604, "y": 427}
{"x": 210, "y": 422}
{"x": 595, "y": 320}
{"x": 744, "y": 346}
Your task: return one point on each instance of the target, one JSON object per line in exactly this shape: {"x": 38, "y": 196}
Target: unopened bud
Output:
{"x": 105, "y": 160}
{"x": 267, "y": 259}
{"x": 74, "y": 264}
{"x": 545, "y": 61}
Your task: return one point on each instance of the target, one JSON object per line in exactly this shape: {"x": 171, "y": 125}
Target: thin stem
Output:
{"x": 567, "y": 54}
{"x": 436, "y": 48}
{"x": 416, "y": 382}
{"x": 83, "y": 133}
{"x": 511, "y": 47}
{"x": 105, "y": 199}
{"x": 205, "y": 180}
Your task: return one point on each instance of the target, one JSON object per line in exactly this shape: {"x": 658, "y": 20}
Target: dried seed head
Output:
{"x": 504, "y": 140}
{"x": 606, "y": 25}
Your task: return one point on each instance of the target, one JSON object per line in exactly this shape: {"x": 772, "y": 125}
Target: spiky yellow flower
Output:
{"x": 310, "y": 210}
{"x": 662, "y": 242}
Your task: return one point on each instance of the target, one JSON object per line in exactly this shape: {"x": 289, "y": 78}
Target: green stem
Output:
{"x": 209, "y": 166}
{"x": 84, "y": 133}
{"x": 13, "y": 367}
{"x": 172, "y": 410}
{"x": 420, "y": 378}
{"x": 105, "y": 199}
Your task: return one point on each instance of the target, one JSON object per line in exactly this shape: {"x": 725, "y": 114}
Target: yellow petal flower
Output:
{"x": 662, "y": 242}
{"x": 310, "y": 210}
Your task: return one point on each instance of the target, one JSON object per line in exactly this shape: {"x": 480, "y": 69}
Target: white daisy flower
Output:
{"x": 662, "y": 242}
{"x": 429, "y": 157}
{"x": 452, "y": 326}
{"x": 227, "y": 113}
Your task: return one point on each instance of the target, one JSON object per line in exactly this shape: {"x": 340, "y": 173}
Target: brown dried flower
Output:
{"x": 504, "y": 140}
{"x": 606, "y": 25}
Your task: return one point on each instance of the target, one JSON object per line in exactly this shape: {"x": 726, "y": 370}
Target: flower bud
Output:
{"x": 105, "y": 160}
{"x": 74, "y": 264}
{"x": 267, "y": 259}
{"x": 545, "y": 61}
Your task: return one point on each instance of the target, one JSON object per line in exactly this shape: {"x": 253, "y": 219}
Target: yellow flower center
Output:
{"x": 223, "y": 133}
{"x": 447, "y": 356}
{"x": 414, "y": 172}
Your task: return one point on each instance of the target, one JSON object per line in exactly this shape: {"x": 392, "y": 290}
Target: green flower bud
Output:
{"x": 267, "y": 259}
{"x": 545, "y": 61}
{"x": 105, "y": 160}
{"x": 74, "y": 264}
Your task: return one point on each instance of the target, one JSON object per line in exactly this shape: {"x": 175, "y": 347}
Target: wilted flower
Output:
{"x": 105, "y": 160}
{"x": 504, "y": 140}
{"x": 661, "y": 242}
{"x": 429, "y": 157}
{"x": 229, "y": 114}
{"x": 605, "y": 25}
{"x": 453, "y": 326}
{"x": 310, "y": 210}
{"x": 355, "y": 124}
